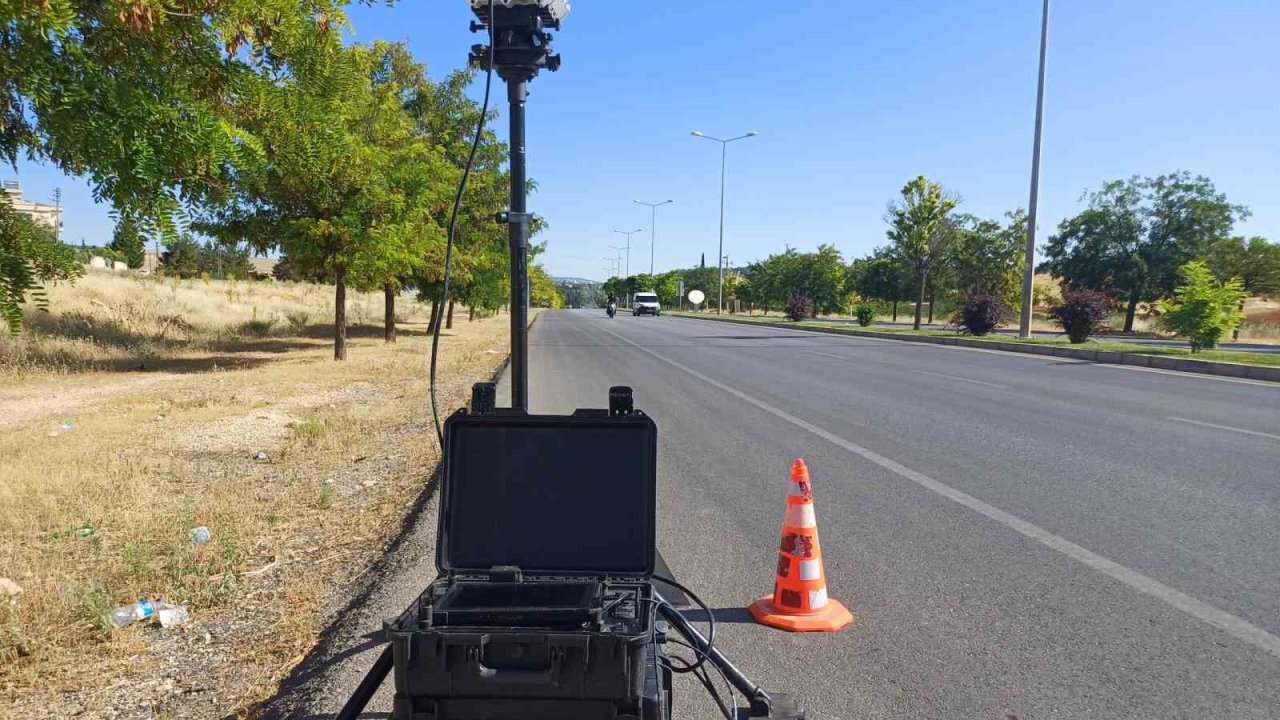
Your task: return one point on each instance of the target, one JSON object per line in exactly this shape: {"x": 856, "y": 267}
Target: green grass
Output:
{"x": 1245, "y": 358}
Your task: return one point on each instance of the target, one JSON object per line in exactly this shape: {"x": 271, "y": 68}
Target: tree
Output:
{"x": 986, "y": 256}
{"x": 543, "y": 292}
{"x": 883, "y": 276}
{"x": 447, "y": 118}
{"x": 920, "y": 232}
{"x": 185, "y": 257}
{"x": 1135, "y": 234}
{"x": 129, "y": 242}
{"x": 351, "y": 183}
{"x": 1203, "y": 308}
{"x": 1255, "y": 261}
{"x": 30, "y": 256}
{"x": 133, "y": 94}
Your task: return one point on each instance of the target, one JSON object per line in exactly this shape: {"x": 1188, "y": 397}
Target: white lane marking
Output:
{"x": 1236, "y": 627}
{"x": 963, "y": 379}
{"x": 819, "y": 352}
{"x": 1223, "y": 427}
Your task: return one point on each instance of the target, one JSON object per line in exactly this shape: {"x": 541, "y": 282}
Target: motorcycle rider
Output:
{"x": 613, "y": 306}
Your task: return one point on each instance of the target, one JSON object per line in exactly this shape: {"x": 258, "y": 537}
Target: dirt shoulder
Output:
{"x": 303, "y": 470}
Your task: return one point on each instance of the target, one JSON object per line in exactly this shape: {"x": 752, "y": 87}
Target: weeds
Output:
{"x": 310, "y": 431}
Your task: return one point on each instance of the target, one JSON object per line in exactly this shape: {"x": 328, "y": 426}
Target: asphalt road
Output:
{"x": 1017, "y": 536}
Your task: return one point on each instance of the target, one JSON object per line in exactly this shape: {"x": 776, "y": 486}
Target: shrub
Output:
{"x": 865, "y": 314}
{"x": 1081, "y": 313}
{"x": 980, "y": 313}
{"x": 1203, "y": 309}
{"x": 798, "y": 307}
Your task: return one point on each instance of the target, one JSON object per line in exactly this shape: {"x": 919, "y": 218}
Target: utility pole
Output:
{"x": 628, "y": 233}
{"x": 1029, "y": 263}
{"x": 653, "y": 224}
{"x": 724, "y": 151}
{"x": 57, "y": 214}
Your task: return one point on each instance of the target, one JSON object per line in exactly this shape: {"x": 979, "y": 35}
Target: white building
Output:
{"x": 44, "y": 214}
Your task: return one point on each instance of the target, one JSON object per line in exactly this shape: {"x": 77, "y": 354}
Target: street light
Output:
{"x": 653, "y": 224}
{"x": 628, "y": 233}
{"x": 724, "y": 149}
{"x": 1029, "y": 262}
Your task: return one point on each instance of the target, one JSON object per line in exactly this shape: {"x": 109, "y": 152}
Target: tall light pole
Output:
{"x": 1029, "y": 265}
{"x": 628, "y": 233}
{"x": 653, "y": 224}
{"x": 724, "y": 149}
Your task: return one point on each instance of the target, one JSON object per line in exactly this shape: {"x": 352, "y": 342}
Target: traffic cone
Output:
{"x": 799, "y": 602}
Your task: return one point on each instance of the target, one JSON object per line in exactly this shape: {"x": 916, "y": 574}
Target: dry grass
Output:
{"x": 108, "y": 321}
{"x": 100, "y": 513}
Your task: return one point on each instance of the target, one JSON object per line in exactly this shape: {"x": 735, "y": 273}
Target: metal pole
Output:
{"x": 518, "y": 239}
{"x": 653, "y": 222}
{"x": 1029, "y": 266}
{"x": 724, "y": 151}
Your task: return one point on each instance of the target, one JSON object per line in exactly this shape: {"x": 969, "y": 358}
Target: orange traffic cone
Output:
{"x": 799, "y": 602}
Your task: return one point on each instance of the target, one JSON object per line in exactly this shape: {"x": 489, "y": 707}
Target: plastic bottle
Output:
{"x": 126, "y": 615}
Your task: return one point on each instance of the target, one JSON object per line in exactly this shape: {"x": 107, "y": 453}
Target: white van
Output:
{"x": 645, "y": 303}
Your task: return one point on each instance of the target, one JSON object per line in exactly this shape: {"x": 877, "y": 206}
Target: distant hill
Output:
{"x": 573, "y": 281}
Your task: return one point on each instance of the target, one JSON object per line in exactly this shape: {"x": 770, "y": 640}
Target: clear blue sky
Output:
{"x": 851, "y": 100}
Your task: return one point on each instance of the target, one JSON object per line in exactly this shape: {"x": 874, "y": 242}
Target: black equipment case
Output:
{"x": 545, "y": 546}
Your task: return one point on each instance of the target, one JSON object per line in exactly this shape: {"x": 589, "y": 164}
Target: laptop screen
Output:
{"x": 549, "y": 495}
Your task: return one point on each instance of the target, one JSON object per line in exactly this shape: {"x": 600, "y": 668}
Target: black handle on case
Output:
{"x": 523, "y": 678}
{"x": 510, "y": 676}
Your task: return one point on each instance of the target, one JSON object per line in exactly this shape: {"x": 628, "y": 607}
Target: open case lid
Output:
{"x": 549, "y": 494}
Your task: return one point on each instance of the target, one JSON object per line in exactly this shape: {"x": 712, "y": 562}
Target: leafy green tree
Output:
{"x": 1203, "y": 308}
{"x": 920, "y": 232}
{"x": 186, "y": 257}
{"x": 133, "y": 95}
{"x": 986, "y": 256}
{"x": 1255, "y": 261}
{"x": 30, "y": 256}
{"x": 351, "y": 183}
{"x": 127, "y": 240}
{"x": 542, "y": 289}
{"x": 883, "y": 277}
{"x": 1135, "y": 234}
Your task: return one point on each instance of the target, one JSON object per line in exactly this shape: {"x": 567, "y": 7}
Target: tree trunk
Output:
{"x": 919, "y": 304}
{"x": 1131, "y": 311}
{"x": 471, "y": 313}
{"x": 448, "y": 323}
{"x": 389, "y": 313}
{"x": 340, "y": 312}
{"x": 895, "y": 310}
{"x": 435, "y": 315}
{"x": 933, "y": 296}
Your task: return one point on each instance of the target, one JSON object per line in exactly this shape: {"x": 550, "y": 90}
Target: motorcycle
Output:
{"x": 613, "y": 310}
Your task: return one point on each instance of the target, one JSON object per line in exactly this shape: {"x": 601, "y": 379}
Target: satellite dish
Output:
{"x": 696, "y": 297}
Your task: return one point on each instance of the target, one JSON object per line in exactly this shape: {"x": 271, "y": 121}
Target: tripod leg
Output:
{"x": 368, "y": 686}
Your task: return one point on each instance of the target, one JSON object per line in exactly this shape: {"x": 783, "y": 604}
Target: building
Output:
{"x": 44, "y": 214}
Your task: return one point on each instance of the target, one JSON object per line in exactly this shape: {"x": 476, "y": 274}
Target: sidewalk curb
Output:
{"x": 1111, "y": 357}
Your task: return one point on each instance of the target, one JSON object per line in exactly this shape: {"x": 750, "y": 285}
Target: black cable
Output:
{"x": 442, "y": 308}
{"x": 702, "y": 678}
{"x": 705, "y": 679}
{"x": 711, "y": 618}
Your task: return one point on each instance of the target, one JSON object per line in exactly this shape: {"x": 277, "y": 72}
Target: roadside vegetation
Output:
{"x": 139, "y": 409}
{"x": 1140, "y": 250}
{"x": 1103, "y": 344}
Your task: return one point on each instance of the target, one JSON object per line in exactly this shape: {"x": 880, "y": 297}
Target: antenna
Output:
{"x": 521, "y": 48}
